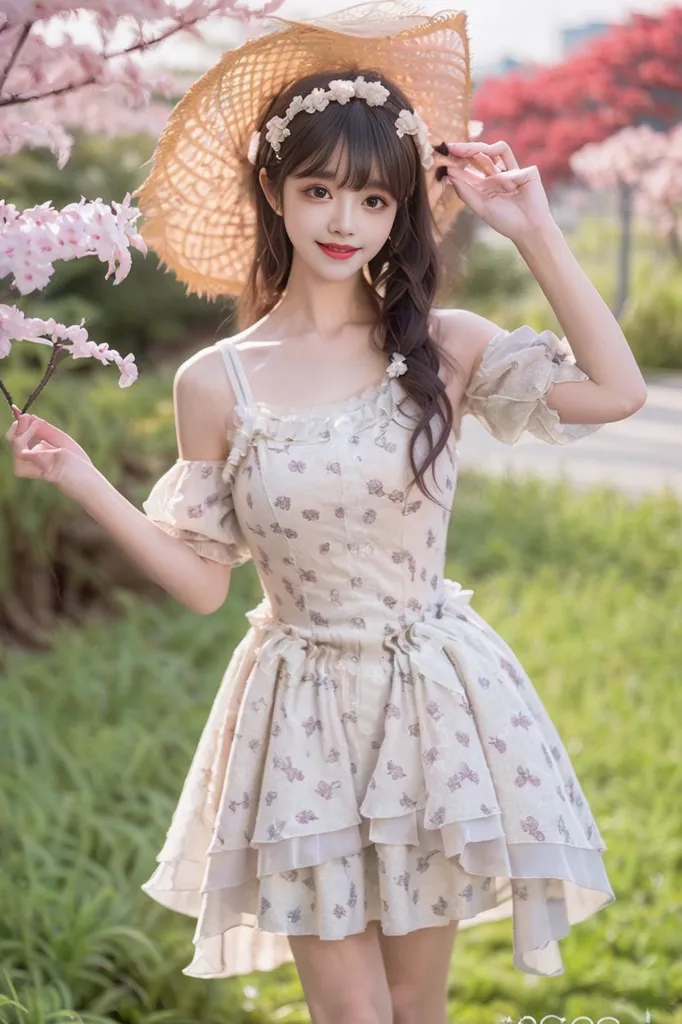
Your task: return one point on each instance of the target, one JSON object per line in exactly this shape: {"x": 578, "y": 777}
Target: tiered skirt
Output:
{"x": 413, "y": 779}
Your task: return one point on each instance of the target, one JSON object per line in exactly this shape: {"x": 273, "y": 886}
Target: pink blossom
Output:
{"x": 15, "y": 326}
{"x": 101, "y": 87}
{"x": 649, "y": 161}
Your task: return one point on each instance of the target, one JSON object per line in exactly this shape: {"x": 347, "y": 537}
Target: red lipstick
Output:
{"x": 338, "y": 252}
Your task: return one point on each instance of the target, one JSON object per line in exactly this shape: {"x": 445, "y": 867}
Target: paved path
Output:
{"x": 642, "y": 453}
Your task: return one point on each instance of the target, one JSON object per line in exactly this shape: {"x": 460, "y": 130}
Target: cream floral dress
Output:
{"x": 375, "y": 751}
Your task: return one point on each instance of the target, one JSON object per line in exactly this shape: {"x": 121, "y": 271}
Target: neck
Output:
{"x": 314, "y": 306}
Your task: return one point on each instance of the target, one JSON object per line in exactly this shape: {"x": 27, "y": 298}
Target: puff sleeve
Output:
{"x": 508, "y": 391}
{"x": 192, "y": 502}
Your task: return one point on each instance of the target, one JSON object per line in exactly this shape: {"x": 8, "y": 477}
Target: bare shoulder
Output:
{"x": 463, "y": 337}
{"x": 204, "y": 405}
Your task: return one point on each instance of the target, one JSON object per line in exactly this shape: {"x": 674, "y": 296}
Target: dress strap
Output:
{"x": 236, "y": 373}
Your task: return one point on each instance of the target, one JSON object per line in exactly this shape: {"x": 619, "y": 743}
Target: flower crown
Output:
{"x": 341, "y": 91}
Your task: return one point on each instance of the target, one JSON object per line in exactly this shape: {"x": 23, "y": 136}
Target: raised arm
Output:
{"x": 524, "y": 380}
{"x": 607, "y": 384}
{"x": 615, "y": 388}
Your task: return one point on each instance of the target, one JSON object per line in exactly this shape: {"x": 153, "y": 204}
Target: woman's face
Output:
{"x": 317, "y": 211}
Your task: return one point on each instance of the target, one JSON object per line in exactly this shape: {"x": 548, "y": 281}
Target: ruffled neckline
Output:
{"x": 377, "y": 403}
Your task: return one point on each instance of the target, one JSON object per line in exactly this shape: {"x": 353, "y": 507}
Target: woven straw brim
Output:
{"x": 197, "y": 214}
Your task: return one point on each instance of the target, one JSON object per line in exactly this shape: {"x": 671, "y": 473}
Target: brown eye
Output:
{"x": 315, "y": 188}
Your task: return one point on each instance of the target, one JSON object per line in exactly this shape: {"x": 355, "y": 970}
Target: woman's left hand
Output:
{"x": 487, "y": 177}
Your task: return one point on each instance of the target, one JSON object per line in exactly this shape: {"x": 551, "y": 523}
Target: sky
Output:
{"x": 523, "y": 29}
{"x": 530, "y": 29}
{"x": 527, "y": 30}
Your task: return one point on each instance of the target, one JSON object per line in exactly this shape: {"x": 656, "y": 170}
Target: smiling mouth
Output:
{"x": 338, "y": 248}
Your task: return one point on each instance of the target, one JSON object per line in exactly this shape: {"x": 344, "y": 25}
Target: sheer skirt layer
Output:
{"x": 431, "y": 786}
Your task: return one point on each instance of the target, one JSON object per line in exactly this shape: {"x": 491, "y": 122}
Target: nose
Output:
{"x": 342, "y": 222}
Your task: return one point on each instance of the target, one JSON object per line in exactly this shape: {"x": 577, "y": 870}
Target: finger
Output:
{"x": 37, "y": 449}
{"x": 513, "y": 180}
{"x": 42, "y": 446}
{"x": 48, "y": 432}
{"x": 477, "y": 170}
{"x": 482, "y": 160}
{"x": 469, "y": 175}
{"x": 502, "y": 150}
{"x": 467, "y": 193}
{"x": 22, "y": 437}
{"x": 44, "y": 465}
{"x": 496, "y": 186}
{"x": 469, "y": 171}
{"x": 506, "y": 181}
{"x": 22, "y": 422}
{"x": 487, "y": 165}
{"x": 28, "y": 440}
{"x": 38, "y": 456}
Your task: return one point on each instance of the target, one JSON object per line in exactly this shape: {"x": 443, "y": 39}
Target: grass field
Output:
{"x": 96, "y": 738}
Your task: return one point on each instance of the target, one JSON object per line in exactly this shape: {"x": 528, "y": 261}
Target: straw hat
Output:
{"x": 197, "y": 213}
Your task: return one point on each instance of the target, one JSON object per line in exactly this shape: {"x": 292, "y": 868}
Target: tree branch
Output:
{"x": 23, "y": 36}
{"x": 16, "y": 100}
{"x": 57, "y": 348}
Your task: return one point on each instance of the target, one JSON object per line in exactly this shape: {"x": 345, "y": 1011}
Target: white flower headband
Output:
{"x": 341, "y": 91}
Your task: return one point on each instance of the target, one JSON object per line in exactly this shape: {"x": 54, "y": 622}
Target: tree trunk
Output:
{"x": 674, "y": 241}
{"x": 624, "y": 248}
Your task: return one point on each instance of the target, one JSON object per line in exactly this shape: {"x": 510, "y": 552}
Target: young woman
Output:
{"x": 377, "y": 765}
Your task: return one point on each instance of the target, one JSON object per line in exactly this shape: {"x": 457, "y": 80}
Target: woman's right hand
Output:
{"x": 42, "y": 451}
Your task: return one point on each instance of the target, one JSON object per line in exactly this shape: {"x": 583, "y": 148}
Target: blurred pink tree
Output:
{"x": 50, "y": 83}
{"x": 645, "y": 166}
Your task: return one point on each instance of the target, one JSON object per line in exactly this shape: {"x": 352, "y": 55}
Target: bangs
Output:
{"x": 361, "y": 145}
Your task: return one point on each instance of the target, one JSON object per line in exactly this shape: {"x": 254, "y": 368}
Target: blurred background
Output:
{"x": 574, "y": 555}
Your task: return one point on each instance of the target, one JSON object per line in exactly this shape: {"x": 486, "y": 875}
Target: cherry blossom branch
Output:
{"x": 75, "y": 78}
{"x": 7, "y": 395}
{"x": 31, "y": 242}
{"x": 73, "y": 340}
{"x": 185, "y": 20}
{"x": 49, "y": 370}
{"x": 23, "y": 36}
{"x": 14, "y": 99}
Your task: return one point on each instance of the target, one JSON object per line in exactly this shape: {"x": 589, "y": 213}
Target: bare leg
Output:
{"x": 343, "y": 980}
{"x": 417, "y": 966}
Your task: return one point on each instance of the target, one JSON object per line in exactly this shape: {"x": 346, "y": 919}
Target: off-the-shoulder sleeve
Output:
{"x": 193, "y": 503}
{"x": 508, "y": 391}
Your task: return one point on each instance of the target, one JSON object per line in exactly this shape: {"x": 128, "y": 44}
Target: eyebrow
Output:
{"x": 329, "y": 176}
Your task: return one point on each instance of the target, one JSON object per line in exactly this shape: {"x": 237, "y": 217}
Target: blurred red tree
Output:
{"x": 631, "y": 75}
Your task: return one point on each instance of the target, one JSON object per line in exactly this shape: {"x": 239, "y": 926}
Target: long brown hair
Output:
{"x": 403, "y": 277}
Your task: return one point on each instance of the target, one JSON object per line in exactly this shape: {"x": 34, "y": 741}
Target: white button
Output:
{"x": 341, "y": 422}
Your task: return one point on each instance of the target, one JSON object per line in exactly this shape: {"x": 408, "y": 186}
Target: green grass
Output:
{"x": 96, "y": 738}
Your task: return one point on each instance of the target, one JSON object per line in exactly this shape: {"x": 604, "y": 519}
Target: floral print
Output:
{"x": 192, "y": 502}
{"x": 375, "y": 751}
